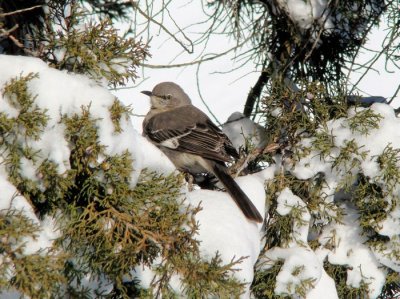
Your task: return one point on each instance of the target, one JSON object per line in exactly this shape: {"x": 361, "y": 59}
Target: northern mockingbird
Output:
{"x": 191, "y": 140}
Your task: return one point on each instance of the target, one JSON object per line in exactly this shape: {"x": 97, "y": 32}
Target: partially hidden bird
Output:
{"x": 193, "y": 143}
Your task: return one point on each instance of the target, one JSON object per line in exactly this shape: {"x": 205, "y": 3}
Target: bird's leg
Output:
{"x": 190, "y": 180}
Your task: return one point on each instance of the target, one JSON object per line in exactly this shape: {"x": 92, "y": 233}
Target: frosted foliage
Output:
{"x": 287, "y": 202}
{"x": 58, "y": 94}
{"x": 347, "y": 238}
{"x": 61, "y": 94}
{"x": 301, "y": 269}
{"x": 350, "y": 250}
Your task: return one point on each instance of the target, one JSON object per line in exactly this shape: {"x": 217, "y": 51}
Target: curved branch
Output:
{"x": 164, "y": 66}
{"x": 255, "y": 91}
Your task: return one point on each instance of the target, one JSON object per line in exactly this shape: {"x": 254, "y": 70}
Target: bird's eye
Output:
{"x": 166, "y": 97}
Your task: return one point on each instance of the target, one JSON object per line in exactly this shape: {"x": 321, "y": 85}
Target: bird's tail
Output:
{"x": 241, "y": 199}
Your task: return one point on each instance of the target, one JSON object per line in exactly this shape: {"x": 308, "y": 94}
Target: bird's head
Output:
{"x": 167, "y": 95}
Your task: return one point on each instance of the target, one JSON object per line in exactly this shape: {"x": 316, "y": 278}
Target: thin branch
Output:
{"x": 5, "y": 14}
{"x": 136, "y": 6}
{"x": 201, "y": 97}
{"x": 242, "y": 163}
{"x": 7, "y": 33}
{"x": 394, "y": 95}
{"x": 152, "y": 66}
{"x": 4, "y": 32}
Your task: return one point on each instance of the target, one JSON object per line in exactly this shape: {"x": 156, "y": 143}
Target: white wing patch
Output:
{"x": 173, "y": 142}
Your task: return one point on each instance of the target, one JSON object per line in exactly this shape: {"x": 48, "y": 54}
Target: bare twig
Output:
{"x": 394, "y": 95}
{"x": 242, "y": 163}
{"x": 7, "y": 32}
{"x": 199, "y": 61}
{"x": 201, "y": 97}
{"x": 5, "y": 14}
{"x": 150, "y": 19}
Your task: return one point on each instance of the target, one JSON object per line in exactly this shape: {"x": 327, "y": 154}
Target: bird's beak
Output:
{"x": 147, "y": 93}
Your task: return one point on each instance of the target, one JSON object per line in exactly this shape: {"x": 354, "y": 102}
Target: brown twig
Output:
{"x": 20, "y": 45}
{"x": 199, "y": 61}
{"x": 5, "y": 14}
{"x": 242, "y": 163}
{"x": 4, "y": 32}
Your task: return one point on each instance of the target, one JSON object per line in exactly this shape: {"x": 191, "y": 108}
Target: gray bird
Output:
{"x": 192, "y": 141}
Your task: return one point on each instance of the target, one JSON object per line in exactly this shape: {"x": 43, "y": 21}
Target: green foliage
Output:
{"x": 339, "y": 274}
{"x": 23, "y": 20}
{"x": 389, "y": 164}
{"x": 278, "y": 228}
{"x": 301, "y": 113}
{"x": 264, "y": 282}
{"x": 349, "y": 157}
{"x": 16, "y": 131}
{"x": 370, "y": 201}
{"x": 323, "y": 143}
{"x": 68, "y": 35}
{"x": 92, "y": 48}
{"x": 30, "y": 119}
{"x": 117, "y": 111}
{"x": 38, "y": 275}
{"x": 364, "y": 121}
{"x": 29, "y": 124}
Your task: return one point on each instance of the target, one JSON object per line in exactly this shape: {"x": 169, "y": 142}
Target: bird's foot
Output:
{"x": 190, "y": 180}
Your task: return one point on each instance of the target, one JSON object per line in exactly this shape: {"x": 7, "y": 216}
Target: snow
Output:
{"x": 351, "y": 251}
{"x": 300, "y": 264}
{"x": 65, "y": 94}
{"x": 346, "y": 237}
{"x": 224, "y": 228}
{"x": 59, "y": 93}
{"x": 304, "y": 12}
{"x": 325, "y": 288}
{"x": 287, "y": 203}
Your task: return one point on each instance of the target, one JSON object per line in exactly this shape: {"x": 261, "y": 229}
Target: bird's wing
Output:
{"x": 188, "y": 129}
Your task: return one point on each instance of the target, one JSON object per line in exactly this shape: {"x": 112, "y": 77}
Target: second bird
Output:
{"x": 192, "y": 141}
